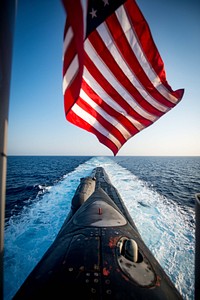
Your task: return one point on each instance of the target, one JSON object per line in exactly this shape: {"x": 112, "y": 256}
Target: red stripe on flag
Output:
{"x": 120, "y": 76}
{"x": 143, "y": 32}
{"x": 78, "y": 37}
{"x": 147, "y": 42}
{"x": 84, "y": 105}
{"x": 69, "y": 55}
{"x": 113, "y": 93}
{"x": 76, "y": 120}
{"x": 135, "y": 66}
{"x": 112, "y": 112}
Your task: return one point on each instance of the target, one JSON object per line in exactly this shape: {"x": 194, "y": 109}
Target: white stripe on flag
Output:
{"x": 95, "y": 124}
{"x": 135, "y": 45}
{"x": 106, "y": 38}
{"x": 114, "y": 82}
{"x": 67, "y": 40}
{"x": 84, "y": 4}
{"x": 70, "y": 73}
{"x": 107, "y": 99}
{"x": 105, "y": 115}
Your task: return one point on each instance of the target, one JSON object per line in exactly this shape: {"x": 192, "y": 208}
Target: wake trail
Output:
{"x": 164, "y": 227}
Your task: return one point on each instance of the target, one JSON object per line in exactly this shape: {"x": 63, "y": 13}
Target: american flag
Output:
{"x": 114, "y": 81}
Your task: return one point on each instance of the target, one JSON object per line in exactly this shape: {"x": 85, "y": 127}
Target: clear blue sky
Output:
{"x": 37, "y": 124}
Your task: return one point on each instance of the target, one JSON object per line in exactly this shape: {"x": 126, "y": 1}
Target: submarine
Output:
{"x": 98, "y": 252}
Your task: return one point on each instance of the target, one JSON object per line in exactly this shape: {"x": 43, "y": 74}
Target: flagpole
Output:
{"x": 7, "y": 18}
{"x": 197, "y": 247}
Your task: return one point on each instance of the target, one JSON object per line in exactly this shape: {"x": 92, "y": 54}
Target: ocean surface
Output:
{"x": 159, "y": 193}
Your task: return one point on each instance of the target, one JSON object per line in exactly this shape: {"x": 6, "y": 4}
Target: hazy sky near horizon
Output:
{"x": 37, "y": 124}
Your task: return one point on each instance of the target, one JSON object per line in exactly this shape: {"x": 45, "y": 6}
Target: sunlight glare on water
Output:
{"x": 163, "y": 225}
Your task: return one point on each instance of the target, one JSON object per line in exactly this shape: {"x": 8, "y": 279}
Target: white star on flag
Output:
{"x": 93, "y": 13}
{"x": 105, "y": 2}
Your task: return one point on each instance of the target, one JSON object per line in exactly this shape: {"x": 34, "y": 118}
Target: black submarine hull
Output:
{"x": 98, "y": 253}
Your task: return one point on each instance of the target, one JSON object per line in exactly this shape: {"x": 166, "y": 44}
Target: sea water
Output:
{"x": 158, "y": 193}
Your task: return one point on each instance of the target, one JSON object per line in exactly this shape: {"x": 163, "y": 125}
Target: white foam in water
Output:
{"x": 163, "y": 225}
